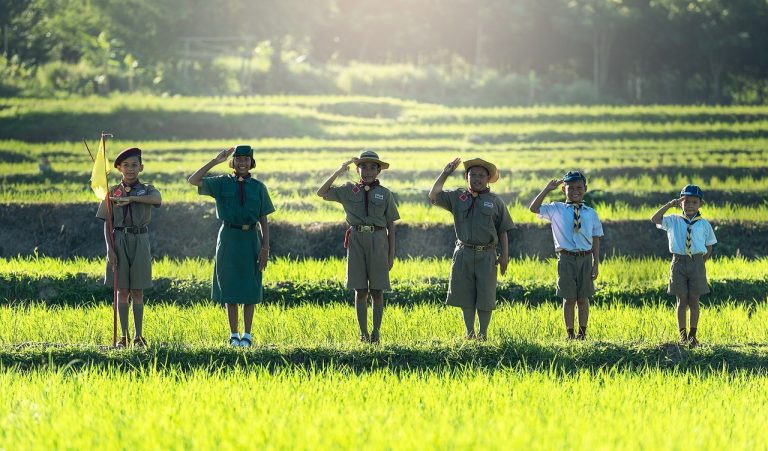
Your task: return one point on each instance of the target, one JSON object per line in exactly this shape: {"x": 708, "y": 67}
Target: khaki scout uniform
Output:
{"x": 473, "y": 271}
{"x": 368, "y": 251}
{"x": 130, "y": 223}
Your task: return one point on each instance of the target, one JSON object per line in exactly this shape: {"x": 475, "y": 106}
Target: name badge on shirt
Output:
{"x": 141, "y": 193}
{"x": 488, "y": 204}
{"x": 378, "y": 196}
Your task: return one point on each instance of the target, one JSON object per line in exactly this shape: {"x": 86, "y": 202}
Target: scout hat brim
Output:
{"x": 493, "y": 173}
{"x": 368, "y": 156}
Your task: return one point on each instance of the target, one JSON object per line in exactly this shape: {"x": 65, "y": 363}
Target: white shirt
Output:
{"x": 702, "y": 234}
{"x": 560, "y": 215}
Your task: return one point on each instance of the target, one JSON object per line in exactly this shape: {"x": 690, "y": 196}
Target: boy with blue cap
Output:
{"x": 242, "y": 246}
{"x": 131, "y": 257}
{"x": 576, "y": 230}
{"x": 481, "y": 221}
{"x": 691, "y": 238}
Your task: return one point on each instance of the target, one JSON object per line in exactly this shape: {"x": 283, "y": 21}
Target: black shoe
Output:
{"x": 375, "y": 338}
{"x": 693, "y": 342}
{"x": 139, "y": 342}
{"x": 122, "y": 343}
{"x": 365, "y": 338}
{"x": 581, "y": 336}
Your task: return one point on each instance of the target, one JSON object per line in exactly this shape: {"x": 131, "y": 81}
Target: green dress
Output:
{"x": 236, "y": 275}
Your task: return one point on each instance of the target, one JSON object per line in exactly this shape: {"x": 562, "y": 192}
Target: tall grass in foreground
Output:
{"x": 205, "y": 326}
{"x": 337, "y": 409}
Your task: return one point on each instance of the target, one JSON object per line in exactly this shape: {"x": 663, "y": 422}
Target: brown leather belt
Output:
{"x": 576, "y": 254}
{"x": 133, "y": 230}
{"x": 476, "y": 247}
{"x": 367, "y": 228}
{"x": 241, "y": 226}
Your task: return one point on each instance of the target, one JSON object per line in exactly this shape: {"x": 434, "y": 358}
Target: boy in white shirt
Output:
{"x": 576, "y": 230}
{"x": 690, "y": 242}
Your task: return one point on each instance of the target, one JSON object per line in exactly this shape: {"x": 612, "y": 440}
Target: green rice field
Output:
{"x": 308, "y": 383}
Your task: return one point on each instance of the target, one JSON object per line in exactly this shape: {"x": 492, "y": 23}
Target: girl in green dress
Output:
{"x": 242, "y": 247}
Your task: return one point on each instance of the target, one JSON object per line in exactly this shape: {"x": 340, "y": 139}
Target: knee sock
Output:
{"x": 378, "y": 314}
{"x": 484, "y": 318}
{"x": 469, "y": 321}
{"x": 138, "y": 318}
{"x": 122, "y": 312}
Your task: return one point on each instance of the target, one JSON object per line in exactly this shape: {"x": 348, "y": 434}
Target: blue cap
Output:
{"x": 574, "y": 176}
{"x": 692, "y": 190}
{"x": 243, "y": 149}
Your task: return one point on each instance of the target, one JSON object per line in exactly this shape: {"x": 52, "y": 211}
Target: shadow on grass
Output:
{"x": 558, "y": 357}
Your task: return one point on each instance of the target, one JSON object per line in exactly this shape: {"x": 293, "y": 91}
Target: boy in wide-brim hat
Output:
{"x": 131, "y": 257}
{"x": 691, "y": 238}
{"x": 371, "y": 213}
{"x": 576, "y": 230}
{"x": 481, "y": 223}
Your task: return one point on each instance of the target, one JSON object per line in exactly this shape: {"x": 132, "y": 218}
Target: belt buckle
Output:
{"x": 246, "y": 227}
{"x": 366, "y": 228}
{"x": 477, "y": 247}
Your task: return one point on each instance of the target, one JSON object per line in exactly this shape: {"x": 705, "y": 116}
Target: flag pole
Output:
{"x": 110, "y": 236}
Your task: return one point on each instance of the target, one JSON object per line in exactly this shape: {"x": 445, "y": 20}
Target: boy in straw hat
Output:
{"x": 370, "y": 239}
{"x": 690, "y": 242}
{"x": 576, "y": 230}
{"x": 131, "y": 257}
{"x": 481, "y": 222}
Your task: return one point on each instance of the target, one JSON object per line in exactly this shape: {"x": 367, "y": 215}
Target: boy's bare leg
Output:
{"x": 122, "y": 309}
{"x": 469, "y": 321}
{"x": 377, "y": 298}
{"x": 693, "y": 304}
{"x": 569, "y": 307}
{"x": 484, "y": 318}
{"x": 248, "y": 310}
{"x": 361, "y": 308}
{"x": 232, "y": 317}
{"x": 138, "y": 311}
{"x": 583, "y": 306}
{"x": 682, "y": 308}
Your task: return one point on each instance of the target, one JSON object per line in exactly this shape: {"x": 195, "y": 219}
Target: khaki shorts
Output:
{"x": 574, "y": 276}
{"x": 687, "y": 276}
{"x": 473, "y": 279}
{"x": 134, "y": 262}
{"x": 368, "y": 261}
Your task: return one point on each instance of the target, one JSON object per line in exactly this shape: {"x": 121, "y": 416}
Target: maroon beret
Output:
{"x": 129, "y": 152}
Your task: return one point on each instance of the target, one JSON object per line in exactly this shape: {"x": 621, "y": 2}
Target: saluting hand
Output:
{"x": 553, "y": 184}
{"x": 450, "y": 167}
{"x": 224, "y": 155}
{"x": 345, "y": 166}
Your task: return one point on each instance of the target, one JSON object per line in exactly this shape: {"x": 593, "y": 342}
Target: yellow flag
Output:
{"x": 100, "y": 170}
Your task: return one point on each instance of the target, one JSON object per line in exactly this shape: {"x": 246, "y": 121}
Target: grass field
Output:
{"x": 308, "y": 383}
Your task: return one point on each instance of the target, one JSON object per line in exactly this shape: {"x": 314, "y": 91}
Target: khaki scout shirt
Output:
{"x": 381, "y": 204}
{"x": 133, "y": 214}
{"x": 483, "y": 224}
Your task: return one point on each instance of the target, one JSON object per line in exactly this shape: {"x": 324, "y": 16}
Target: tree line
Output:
{"x": 627, "y": 51}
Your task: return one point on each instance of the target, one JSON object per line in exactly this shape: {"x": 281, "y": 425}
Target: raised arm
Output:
{"x": 197, "y": 178}
{"x": 438, "y": 186}
{"x": 323, "y": 190}
{"x": 659, "y": 215}
{"x": 536, "y": 202}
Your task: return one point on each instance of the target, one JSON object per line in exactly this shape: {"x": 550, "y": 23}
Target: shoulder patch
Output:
{"x": 355, "y": 189}
{"x": 463, "y": 197}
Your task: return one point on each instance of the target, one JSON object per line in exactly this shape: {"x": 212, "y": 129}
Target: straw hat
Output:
{"x": 493, "y": 173}
{"x": 369, "y": 156}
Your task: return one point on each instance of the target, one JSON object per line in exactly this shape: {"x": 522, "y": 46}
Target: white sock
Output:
{"x": 234, "y": 335}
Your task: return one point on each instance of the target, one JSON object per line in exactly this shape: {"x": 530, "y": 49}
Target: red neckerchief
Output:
{"x": 367, "y": 187}
{"x": 241, "y": 185}
{"x": 475, "y": 195}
